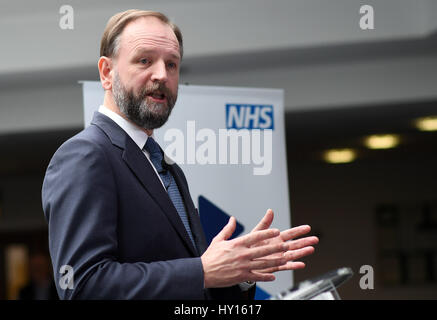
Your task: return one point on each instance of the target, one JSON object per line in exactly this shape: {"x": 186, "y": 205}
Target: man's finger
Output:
{"x": 258, "y": 236}
{"x": 265, "y": 222}
{"x": 227, "y": 231}
{"x": 267, "y": 263}
{"x": 290, "y": 265}
{"x": 301, "y": 243}
{"x": 295, "y": 232}
{"x": 263, "y": 251}
{"x": 256, "y": 276}
{"x": 297, "y": 254}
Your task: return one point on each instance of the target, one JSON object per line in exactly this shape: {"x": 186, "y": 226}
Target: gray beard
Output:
{"x": 147, "y": 115}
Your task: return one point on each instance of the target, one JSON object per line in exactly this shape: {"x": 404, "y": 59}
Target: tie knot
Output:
{"x": 155, "y": 154}
{"x": 153, "y": 148}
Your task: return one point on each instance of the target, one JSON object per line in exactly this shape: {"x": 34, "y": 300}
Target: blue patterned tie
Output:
{"x": 169, "y": 182}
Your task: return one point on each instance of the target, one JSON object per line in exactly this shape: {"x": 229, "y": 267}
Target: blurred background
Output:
{"x": 372, "y": 201}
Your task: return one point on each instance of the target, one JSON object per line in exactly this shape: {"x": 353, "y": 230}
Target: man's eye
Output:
{"x": 144, "y": 61}
{"x": 172, "y": 65}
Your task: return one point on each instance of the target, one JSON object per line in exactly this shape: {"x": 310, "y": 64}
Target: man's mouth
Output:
{"x": 157, "y": 96}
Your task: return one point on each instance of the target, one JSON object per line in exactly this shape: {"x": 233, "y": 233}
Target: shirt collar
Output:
{"x": 136, "y": 133}
{"x": 133, "y": 131}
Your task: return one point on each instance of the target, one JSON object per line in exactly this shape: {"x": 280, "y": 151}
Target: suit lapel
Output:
{"x": 142, "y": 169}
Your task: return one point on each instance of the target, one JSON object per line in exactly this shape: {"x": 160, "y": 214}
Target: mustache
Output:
{"x": 153, "y": 88}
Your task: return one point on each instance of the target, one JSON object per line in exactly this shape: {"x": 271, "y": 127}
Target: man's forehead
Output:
{"x": 149, "y": 29}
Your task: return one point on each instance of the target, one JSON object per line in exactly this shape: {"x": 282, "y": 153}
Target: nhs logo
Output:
{"x": 249, "y": 116}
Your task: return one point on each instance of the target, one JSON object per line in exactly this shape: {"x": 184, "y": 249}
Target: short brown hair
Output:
{"x": 109, "y": 44}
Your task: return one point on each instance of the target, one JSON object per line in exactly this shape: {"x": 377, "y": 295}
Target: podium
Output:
{"x": 323, "y": 287}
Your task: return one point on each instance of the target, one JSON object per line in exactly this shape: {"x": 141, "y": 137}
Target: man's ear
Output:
{"x": 105, "y": 67}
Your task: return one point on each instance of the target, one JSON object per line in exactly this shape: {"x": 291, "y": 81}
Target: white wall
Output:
{"x": 40, "y": 63}
{"x": 52, "y": 105}
{"x": 339, "y": 84}
{"x": 32, "y": 39}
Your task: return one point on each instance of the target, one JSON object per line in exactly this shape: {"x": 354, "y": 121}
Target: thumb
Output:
{"x": 227, "y": 230}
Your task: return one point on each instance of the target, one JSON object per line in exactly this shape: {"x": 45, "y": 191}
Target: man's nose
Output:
{"x": 159, "y": 71}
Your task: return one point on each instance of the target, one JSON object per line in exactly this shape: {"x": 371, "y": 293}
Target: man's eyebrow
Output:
{"x": 145, "y": 50}
{"x": 176, "y": 56}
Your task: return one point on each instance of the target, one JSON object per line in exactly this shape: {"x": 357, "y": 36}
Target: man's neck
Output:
{"x": 109, "y": 103}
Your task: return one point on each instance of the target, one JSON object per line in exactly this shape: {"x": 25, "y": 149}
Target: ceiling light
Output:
{"x": 427, "y": 123}
{"x": 382, "y": 141}
{"x": 339, "y": 155}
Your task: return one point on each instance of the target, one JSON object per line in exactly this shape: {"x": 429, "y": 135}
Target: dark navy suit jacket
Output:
{"x": 112, "y": 221}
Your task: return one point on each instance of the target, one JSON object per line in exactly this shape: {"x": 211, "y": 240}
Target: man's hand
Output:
{"x": 296, "y": 249}
{"x": 229, "y": 262}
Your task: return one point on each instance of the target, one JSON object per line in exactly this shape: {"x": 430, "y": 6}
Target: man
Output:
{"x": 121, "y": 216}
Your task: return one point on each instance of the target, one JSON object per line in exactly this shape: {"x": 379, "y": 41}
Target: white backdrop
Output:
{"x": 245, "y": 189}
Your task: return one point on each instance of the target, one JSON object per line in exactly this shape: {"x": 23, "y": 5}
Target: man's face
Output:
{"x": 146, "y": 72}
